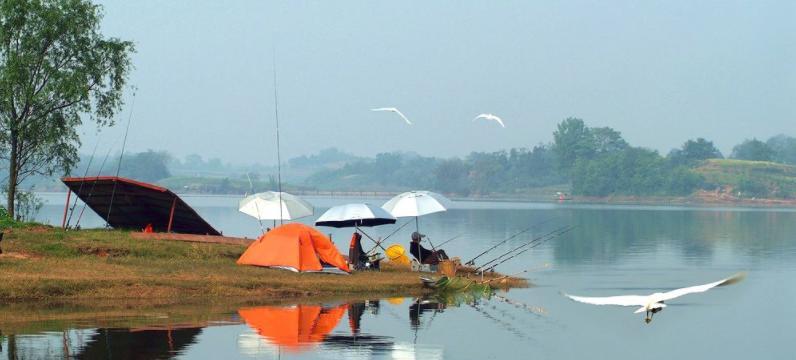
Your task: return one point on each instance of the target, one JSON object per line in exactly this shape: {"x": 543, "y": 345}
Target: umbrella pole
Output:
{"x": 417, "y": 229}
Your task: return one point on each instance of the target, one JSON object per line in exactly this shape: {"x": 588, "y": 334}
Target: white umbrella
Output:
{"x": 355, "y": 215}
{"x": 416, "y": 203}
{"x": 270, "y": 205}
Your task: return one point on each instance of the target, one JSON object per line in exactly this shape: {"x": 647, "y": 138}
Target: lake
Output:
{"x": 613, "y": 250}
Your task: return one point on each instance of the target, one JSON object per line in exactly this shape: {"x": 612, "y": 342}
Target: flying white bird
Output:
{"x": 490, "y": 117}
{"x": 653, "y": 303}
{"x": 392, "y": 109}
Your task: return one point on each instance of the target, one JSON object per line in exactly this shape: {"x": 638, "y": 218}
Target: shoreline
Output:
{"x": 45, "y": 264}
{"x": 701, "y": 200}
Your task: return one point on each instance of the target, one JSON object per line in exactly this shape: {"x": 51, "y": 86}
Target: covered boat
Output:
{"x": 134, "y": 205}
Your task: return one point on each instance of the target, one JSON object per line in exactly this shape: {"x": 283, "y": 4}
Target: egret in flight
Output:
{"x": 395, "y": 110}
{"x": 490, "y": 117}
{"x": 653, "y": 303}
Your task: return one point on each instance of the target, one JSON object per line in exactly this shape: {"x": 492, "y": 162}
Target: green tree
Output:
{"x": 752, "y": 150}
{"x": 56, "y": 69}
{"x": 451, "y": 176}
{"x": 572, "y": 141}
{"x": 607, "y": 140}
{"x": 784, "y": 148}
{"x": 693, "y": 151}
{"x": 148, "y": 166}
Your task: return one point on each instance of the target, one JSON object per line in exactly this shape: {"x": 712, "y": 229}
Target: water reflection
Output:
{"x": 106, "y": 343}
{"x": 354, "y": 329}
{"x": 293, "y": 328}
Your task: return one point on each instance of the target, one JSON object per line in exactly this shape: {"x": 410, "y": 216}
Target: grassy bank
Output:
{"x": 750, "y": 179}
{"x": 46, "y": 264}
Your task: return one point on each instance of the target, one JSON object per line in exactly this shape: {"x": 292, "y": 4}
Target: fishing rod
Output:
{"x": 472, "y": 261}
{"x": 93, "y": 185}
{"x": 378, "y": 243}
{"x": 278, "y": 156}
{"x": 545, "y": 266}
{"x": 544, "y": 237}
{"x": 451, "y": 239}
{"x": 514, "y": 249}
{"x": 119, "y": 166}
{"x": 356, "y": 228}
{"x": 257, "y": 207}
{"x": 80, "y": 188}
{"x": 529, "y": 248}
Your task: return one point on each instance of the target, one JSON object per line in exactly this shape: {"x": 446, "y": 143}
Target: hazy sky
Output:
{"x": 660, "y": 72}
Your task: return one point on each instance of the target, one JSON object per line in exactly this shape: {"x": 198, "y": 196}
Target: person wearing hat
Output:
{"x": 425, "y": 256}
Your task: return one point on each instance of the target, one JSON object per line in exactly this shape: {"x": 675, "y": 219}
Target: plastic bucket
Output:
{"x": 397, "y": 254}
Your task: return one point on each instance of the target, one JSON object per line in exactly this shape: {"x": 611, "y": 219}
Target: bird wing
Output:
{"x": 384, "y": 109}
{"x": 624, "y": 300}
{"x": 700, "y": 288}
{"x": 490, "y": 117}
{"x": 402, "y": 116}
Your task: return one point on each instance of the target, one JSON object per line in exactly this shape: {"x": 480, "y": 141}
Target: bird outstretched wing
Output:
{"x": 402, "y": 116}
{"x": 625, "y": 300}
{"x": 490, "y": 117}
{"x": 395, "y": 110}
{"x": 700, "y": 288}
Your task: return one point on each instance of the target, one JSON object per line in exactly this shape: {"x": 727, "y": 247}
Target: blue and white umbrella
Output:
{"x": 355, "y": 215}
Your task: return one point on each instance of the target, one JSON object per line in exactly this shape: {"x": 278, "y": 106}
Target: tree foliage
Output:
{"x": 753, "y": 149}
{"x": 784, "y": 148}
{"x": 56, "y": 69}
{"x": 572, "y": 141}
{"x": 147, "y": 166}
{"x": 694, "y": 151}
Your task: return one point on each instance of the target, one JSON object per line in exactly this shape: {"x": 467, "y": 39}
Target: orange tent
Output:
{"x": 295, "y": 247}
{"x": 293, "y": 327}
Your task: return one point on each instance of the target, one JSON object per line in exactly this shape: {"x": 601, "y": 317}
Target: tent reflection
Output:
{"x": 293, "y": 327}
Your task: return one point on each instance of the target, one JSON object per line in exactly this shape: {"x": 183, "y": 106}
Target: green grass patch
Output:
{"x": 759, "y": 179}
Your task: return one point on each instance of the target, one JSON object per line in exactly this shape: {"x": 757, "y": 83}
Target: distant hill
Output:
{"x": 749, "y": 179}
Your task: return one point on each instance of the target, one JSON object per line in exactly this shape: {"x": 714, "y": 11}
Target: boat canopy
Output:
{"x": 137, "y": 205}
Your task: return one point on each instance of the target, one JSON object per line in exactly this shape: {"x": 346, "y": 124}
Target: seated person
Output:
{"x": 356, "y": 255}
{"x": 425, "y": 256}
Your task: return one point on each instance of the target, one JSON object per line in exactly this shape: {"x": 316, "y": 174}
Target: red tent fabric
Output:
{"x": 296, "y": 247}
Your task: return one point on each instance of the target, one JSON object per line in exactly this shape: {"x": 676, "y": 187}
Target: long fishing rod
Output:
{"x": 356, "y": 228}
{"x": 80, "y": 188}
{"x": 257, "y": 207}
{"x": 529, "y": 248}
{"x": 451, "y": 239}
{"x": 545, "y": 266}
{"x": 534, "y": 240}
{"x": 472, "y": 261}
{"x": 388, "y": 236}
{"x": 93, "y": 185}
{"x": 278, "y": 155}
{"x": 119, "y": 166}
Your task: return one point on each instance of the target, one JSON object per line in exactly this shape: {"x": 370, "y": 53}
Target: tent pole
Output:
{"x": 171, "y": 214}
{"x": 66, "y": 207}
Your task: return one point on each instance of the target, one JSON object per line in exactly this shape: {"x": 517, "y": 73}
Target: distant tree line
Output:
{"x": 589, "y": 161}
{"x": 594, "y": 161}
{"x": 480, "y": 173}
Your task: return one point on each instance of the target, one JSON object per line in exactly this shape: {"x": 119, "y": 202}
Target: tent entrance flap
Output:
{"x": 137, "y": 204}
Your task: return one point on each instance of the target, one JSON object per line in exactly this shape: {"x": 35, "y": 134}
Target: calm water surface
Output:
{"x": 614, "y": 250}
